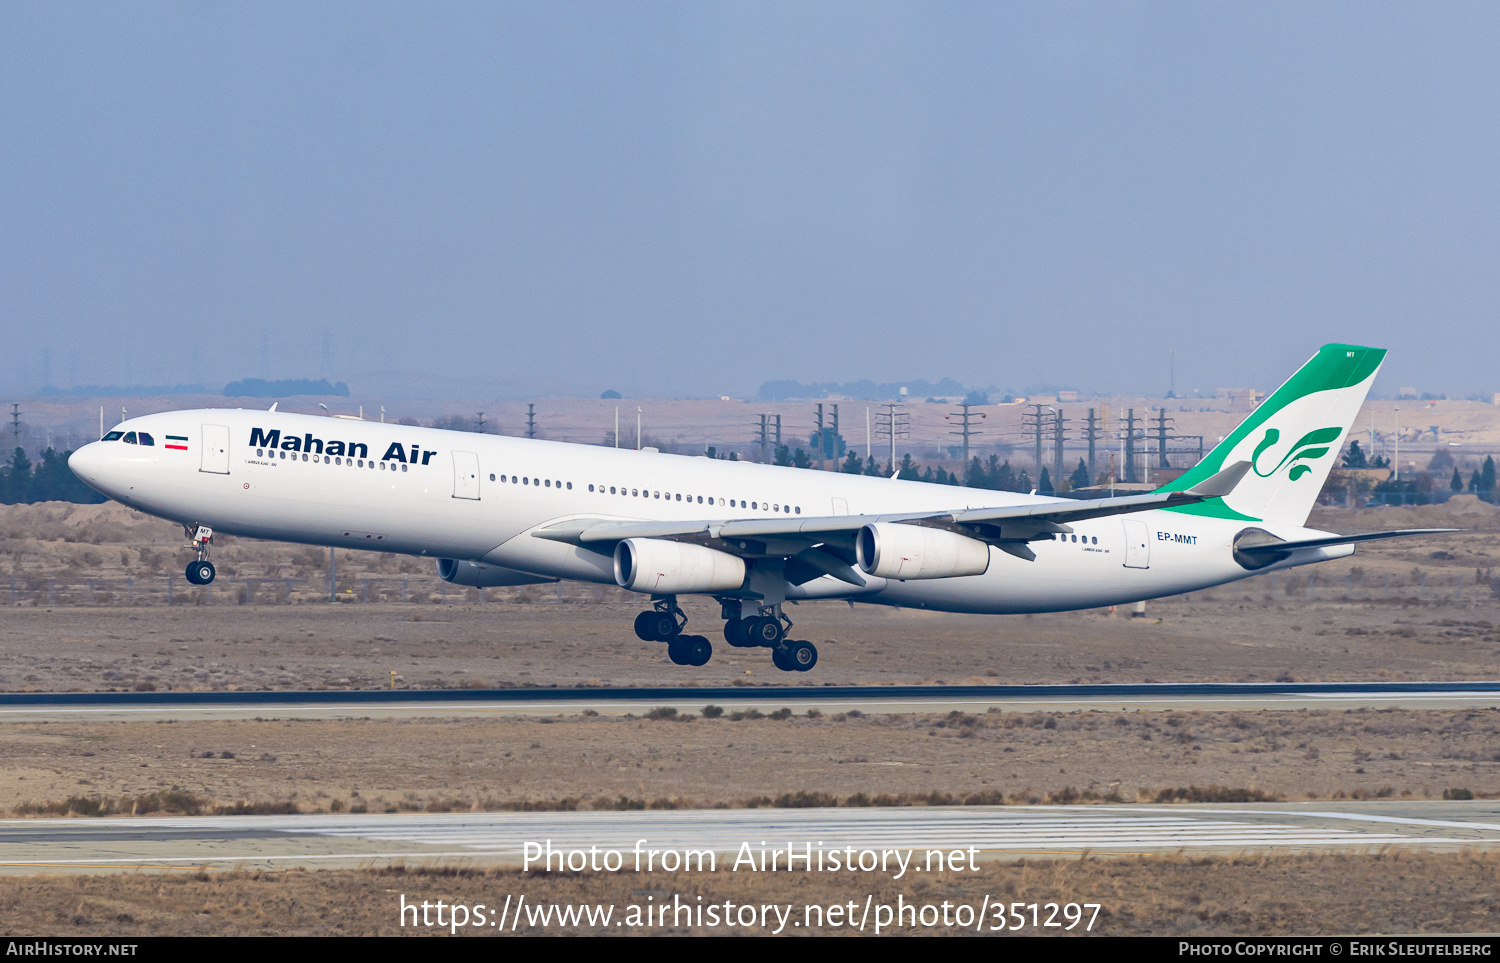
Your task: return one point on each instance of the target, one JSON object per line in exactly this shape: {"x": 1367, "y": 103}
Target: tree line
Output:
{"x": 50, "y": 480}
{"x": 994, "y": 474}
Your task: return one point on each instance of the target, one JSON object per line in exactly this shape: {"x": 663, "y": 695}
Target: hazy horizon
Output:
{"x": 688, "y": 200}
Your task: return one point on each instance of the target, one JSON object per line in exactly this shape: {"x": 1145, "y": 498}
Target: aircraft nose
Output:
{"x": 86, "y": 462}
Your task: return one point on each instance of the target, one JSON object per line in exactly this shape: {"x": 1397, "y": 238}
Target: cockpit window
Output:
{"x": 146, "y": 439}
{"x": 113, "y": 436}
{"x": 130, "y": 438}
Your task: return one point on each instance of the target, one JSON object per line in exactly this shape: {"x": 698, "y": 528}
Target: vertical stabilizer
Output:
{"x": 1291, "y": 440}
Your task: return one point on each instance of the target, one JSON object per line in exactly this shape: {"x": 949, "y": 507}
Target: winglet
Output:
{"x": 273, "y": 406}
{"x": 1220, "y": 483}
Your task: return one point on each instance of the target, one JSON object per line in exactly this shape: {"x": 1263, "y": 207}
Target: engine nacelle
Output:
{"x": 481, "y": 575}
{"x": 661, "y": 567}
{"x": 904, "y": 552}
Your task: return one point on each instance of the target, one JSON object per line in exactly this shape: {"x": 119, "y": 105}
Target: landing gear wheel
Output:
{"x": 645, "y": 623}
{"x": 737, "y": 633}
{"x": 781, "y": 657}
{"x": 200, "y": 573}
{"x": 689, "y": 650}
{"x": 697, "y": 650}
{"x": 802, "y": 655}
{"x": 664, "y": 624}
{"x": 765, "y": 631}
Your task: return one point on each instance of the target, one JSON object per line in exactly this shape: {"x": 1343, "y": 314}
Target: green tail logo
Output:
{"x": 1306, "y": 448}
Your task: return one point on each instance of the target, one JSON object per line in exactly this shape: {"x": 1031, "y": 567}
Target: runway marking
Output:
{"x": 997, "y": 832}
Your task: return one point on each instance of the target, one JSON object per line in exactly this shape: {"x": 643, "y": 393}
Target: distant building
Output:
{"x": 1067, "y": 396}
{"x": 1241, "y": 399}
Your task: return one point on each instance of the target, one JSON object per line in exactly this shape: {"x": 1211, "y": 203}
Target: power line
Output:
{"x": 966, "y": 427}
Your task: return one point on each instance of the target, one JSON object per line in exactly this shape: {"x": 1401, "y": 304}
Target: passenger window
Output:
{"x": 549, "y": 483}
{"x": 130, "y": 438}
{"x": 755, "y": 505}
{"x": 526, "y": 481}
{"x": 281, "y": 455}
{"x": 146, "y": 439}
{"x": 799, "y": 509}
{"x": 679, "y": 498}
{"x": 113, "y": 436}
{"x": 403, "y": 468}
{"x": 570, "y": 486}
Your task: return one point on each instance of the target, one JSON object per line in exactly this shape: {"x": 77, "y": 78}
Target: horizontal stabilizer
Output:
{"x": 1221, "y": 483}
{"x": 1281, "y": 548}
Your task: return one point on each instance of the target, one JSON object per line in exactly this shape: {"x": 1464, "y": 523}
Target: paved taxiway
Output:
{"x": 335, "y": 703}
{"x": 497, "y": 839}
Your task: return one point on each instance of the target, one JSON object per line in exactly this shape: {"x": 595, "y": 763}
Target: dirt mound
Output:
{"x": 1460, "y": 511}
{"x": 108, "y": 524}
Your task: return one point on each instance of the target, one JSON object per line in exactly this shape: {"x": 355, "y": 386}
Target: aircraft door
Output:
{"x": 841, "y": 506}
{"x": 1137, "y": 545}
{"x": 465, "y": 475}
{"x": 215, "y": 449}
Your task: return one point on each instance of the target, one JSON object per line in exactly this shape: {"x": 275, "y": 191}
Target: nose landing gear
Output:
{"x": 200, "y": 571}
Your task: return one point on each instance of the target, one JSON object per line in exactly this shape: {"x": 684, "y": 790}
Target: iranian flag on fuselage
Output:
{"x": 177, "y": 442}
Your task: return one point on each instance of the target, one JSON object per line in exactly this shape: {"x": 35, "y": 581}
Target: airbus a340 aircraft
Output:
{"x": 495, "y": 511}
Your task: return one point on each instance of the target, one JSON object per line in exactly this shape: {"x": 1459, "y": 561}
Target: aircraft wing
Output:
{"x": 1009, "y": 527}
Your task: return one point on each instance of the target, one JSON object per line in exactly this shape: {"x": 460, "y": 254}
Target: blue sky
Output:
{"x": 689, "y": 199}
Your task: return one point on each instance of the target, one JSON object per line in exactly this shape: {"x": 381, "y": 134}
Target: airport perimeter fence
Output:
{"x": 1450, "y": 587}
{"x": 47, "y": 592}
{"x": 1445, "y": 587}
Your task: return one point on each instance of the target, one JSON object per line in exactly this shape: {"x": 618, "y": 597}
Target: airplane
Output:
{"x": 497, "y": 511}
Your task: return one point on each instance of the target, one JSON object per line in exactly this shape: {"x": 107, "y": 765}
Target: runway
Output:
{"x": 499, "y": 839}
{"x": 385, "y": 703}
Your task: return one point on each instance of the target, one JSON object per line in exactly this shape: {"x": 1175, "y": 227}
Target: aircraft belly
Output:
{"x": 271, "y": 503}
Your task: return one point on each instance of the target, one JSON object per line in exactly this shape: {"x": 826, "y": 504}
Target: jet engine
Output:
{"x": 480, "y": 575}
{"x": 891, "y": 550}
{"x": 662, "y": 567}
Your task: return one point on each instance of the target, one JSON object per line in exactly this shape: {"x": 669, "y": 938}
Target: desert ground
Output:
{"x": 90, "y": 611}
{"x": 1257, "y": 895}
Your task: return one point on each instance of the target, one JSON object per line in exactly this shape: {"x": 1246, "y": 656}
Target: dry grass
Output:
{"x": 597, "y": 761}
{"x": 1372, "y": 893}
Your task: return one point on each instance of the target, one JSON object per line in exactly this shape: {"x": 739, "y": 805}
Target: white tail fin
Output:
{"x": 1291, "y": 441}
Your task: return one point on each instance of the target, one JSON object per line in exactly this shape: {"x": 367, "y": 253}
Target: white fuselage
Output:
{"x": 458, "y": 495}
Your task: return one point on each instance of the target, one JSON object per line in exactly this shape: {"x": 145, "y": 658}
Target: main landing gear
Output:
{"x": 200, "y": 571}
{"x": 768, "y": 630}
{"x": 664, "y": 623}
